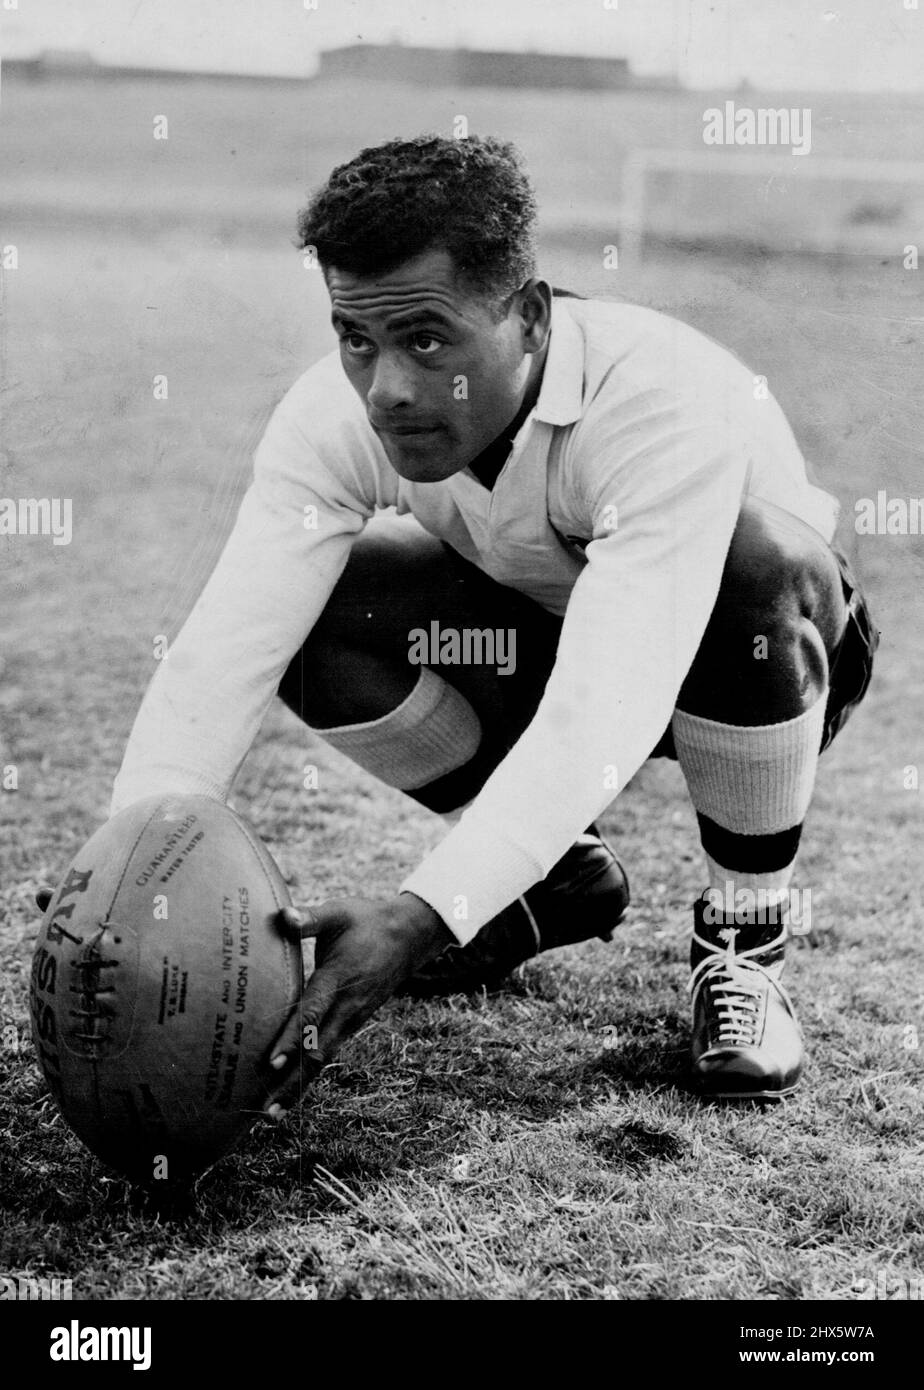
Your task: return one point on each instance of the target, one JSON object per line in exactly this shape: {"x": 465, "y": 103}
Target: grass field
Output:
{"x": 505, "y": 1148}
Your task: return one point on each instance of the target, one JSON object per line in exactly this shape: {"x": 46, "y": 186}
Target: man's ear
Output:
{"x": 535, "y": 307}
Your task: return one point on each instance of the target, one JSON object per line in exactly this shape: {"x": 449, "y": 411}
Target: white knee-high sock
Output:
{"x": 754, "y": 782}
{"x": 432, "y": 732}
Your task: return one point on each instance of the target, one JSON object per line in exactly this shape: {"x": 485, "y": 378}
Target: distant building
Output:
{"x": 393, "y": 62}
{"x": 55, "y": 62}
{"x": 471, "y": 67}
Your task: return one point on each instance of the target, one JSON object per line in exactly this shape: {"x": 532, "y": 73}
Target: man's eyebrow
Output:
{"x": 406, "y": 319}
{"x": 412, "y": 316}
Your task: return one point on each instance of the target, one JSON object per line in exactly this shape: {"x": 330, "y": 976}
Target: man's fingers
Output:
{"x": 297, "y": 1052}
{"x": 309, "y": 922}
{"x": 288, "y": 1043}
{"x": 291, "y": 1093}
{"x": 305, "y": 1022}
{"x": 341, "y": 1022}
{"x": 318, "y": 1046}
{"x": 296, "y": 923}
{"x": 331, "y": 1006}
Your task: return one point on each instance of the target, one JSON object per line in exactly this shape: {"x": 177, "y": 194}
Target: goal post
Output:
{"x": 770, "y": 202}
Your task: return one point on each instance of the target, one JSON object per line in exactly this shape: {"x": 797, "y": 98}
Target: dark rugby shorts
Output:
{"x": 538, "y": 632}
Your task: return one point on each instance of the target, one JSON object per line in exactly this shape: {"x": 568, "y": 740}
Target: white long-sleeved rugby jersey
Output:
{"x": 615, "y": 508}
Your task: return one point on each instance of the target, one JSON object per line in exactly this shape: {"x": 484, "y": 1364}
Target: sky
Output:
{"x": 849, "y": 45}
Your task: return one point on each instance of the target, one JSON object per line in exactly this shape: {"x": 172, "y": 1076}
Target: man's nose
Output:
{"x": 392, "y": 384}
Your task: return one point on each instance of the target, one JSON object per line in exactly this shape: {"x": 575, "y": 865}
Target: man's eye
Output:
{"x": 426, "y": 344}
{"x": 356, "y": 344}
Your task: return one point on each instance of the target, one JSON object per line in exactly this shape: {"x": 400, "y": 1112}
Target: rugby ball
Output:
{"x": 159, "y": 983}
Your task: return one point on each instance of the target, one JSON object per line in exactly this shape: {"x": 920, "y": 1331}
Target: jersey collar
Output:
{"x": 561, "y": 395}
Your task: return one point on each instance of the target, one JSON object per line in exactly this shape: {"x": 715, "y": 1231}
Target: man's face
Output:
{"x": 440, "y": 378}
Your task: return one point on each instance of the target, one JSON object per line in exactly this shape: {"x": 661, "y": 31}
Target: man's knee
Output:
{"x": 776, "y": 624}
{"x": 779, "y": 576}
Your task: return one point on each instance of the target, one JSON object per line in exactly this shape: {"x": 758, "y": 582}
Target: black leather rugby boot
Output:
{"x": 747, "y": 1044}
{"x": 585, "y": 895}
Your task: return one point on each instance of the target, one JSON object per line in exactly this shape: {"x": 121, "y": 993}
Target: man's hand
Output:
{"x": 364, "y": 951}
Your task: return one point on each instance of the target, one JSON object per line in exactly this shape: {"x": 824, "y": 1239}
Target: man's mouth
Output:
{"x": 406, "y": 431}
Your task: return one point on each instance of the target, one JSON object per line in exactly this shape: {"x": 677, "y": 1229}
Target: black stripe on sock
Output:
{"x": 748, "y": 854}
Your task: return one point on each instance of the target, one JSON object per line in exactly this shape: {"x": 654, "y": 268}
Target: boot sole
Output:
{"x": 747, "y": 1095}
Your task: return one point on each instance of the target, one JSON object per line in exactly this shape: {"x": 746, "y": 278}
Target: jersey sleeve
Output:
{"x": 663, "y": 504}
{"x": 210, "y": 693}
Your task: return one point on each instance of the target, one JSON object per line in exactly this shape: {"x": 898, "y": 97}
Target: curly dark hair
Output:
{"x": 470, "y": 197}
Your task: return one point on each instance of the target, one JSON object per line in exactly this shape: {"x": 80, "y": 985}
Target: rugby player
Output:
{"x": 482, "y": 454}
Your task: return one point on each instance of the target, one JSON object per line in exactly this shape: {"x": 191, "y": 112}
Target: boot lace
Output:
{"x": 735, "y": 983}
